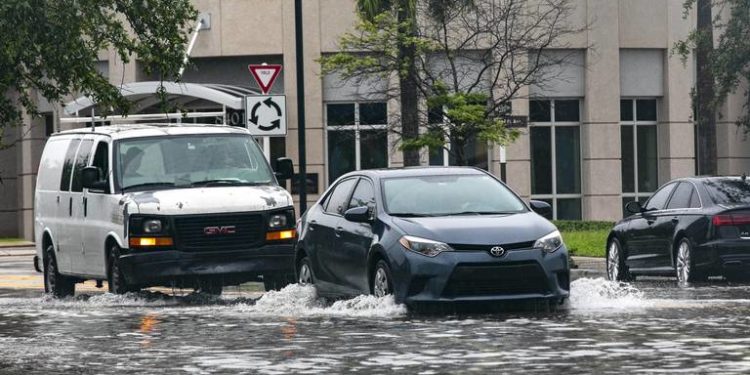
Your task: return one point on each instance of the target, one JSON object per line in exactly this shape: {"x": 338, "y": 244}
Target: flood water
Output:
{"x": 651, "y": 326}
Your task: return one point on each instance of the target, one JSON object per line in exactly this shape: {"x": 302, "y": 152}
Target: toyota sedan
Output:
{"x": 430, "y": 235}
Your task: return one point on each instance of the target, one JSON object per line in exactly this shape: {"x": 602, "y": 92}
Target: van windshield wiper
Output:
{"x": 149, "y": 184}
{"x": 227, "y": 182}
{"x": 408, "y": 214}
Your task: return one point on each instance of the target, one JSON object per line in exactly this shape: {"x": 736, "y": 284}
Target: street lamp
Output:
{"x": 300, "y": 106}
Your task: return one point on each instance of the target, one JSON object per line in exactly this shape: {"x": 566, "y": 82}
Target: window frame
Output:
{"x": 357, "y": 127}
{"x": 553, "y": 124}
{"x": 637, "y": 195}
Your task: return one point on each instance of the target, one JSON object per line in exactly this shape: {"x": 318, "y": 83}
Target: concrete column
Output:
{"x": 29, "y": 150}
{"x": 9, "y": 164}
{"x": 676, "y": 128}
{"x": 600, "y": 131}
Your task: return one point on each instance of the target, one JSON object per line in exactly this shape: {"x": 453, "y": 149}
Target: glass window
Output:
{"x": 373, "y": 114}
{"x": 728, "y": 191}
{"x": 659, "y": 199}
{"x": 82, "y": 159}
{"x": 339, "y": 196}
{"x": 638, "y": 137}
{"x": 540, "y": 111}
{"x": 695, "y": 200}
{"x": 626, "y": 110}
{"x": 541, "y": 166}
{"x": 363, "y": 195}
{"x": 67, "y": 169}
{"x": 435, "y": 115}
{"x": 340, "y": 114}
{"x": 556, "y": 156}
{"x": 681, "y": 196}
{"x": 567, "y": 111}
{"x": 475, "y": 153}
{"x": 628, "y": 159}
{"x": 101, "y": 160}
{"x": 645, "y": 109}
{"x": 357, "y": 137}
{"x": 449, "y": 195}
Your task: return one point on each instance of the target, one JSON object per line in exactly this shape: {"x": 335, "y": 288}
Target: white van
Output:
{"x": 193, "y": 206}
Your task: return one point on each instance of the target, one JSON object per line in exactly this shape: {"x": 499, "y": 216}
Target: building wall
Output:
{"x": 626, "y": 45}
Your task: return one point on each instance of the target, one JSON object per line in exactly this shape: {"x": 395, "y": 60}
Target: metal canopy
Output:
{"x": 143, "y": 96}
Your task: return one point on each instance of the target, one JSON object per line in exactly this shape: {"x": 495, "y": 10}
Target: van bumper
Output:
{"x": 168, "y": 267}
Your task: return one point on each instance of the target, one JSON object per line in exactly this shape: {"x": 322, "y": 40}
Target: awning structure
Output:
{"x": 195, "y": 100}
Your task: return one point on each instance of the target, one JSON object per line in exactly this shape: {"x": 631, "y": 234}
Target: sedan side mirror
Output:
{"x": 91, "y": 178}
{"x": 634, "y": 207}
{"x": 542, "y": 208}
{"x": 359, "y": 214}
{"x": 284, "y": 169}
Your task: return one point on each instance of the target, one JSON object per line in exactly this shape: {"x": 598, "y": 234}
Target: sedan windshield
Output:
{"x": 729, "y": 191}
{"x": 189, "y": 161}
{"x": 449, "y": 195}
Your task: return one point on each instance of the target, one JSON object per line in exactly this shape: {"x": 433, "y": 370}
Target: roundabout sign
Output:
{"x": 266, "y": 115}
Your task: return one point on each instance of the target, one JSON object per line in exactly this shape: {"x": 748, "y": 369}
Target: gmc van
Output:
{"x": 194, "y": 206}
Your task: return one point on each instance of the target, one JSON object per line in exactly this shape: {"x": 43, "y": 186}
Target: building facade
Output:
{"x": 616, "y": 127}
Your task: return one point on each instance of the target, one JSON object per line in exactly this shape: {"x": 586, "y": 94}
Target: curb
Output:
{"x": 17, "y": 245}
{"x": 16, "y": 253}
{"x": 576, "y": 274}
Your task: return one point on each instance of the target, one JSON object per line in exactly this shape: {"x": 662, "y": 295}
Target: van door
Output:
{"x": 78, "y": 206}
{"x": 64, "y": 212}
{"x": 47, "y": 196}
{"x": 97, "y": 213}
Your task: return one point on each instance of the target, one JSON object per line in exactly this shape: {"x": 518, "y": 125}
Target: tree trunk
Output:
{"x": 704, "y": 96}
{"x": 407, "y": 82}
{"x": 458, "y": 145}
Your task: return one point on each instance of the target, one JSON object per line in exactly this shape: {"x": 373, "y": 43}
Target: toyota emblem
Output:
{"x": 497, "y": 251}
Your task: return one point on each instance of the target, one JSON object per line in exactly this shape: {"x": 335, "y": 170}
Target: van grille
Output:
{"x": 497, "y": 279}
{"x": 248, "y": 231}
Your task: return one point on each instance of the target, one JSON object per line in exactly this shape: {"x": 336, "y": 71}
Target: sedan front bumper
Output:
{"x": 477, "y": 276}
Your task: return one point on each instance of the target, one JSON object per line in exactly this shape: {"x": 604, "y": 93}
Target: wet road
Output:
{"x": 651, "y": 326}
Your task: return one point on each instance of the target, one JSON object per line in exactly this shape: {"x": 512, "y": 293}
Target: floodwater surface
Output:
{"x": 652, "y": 326}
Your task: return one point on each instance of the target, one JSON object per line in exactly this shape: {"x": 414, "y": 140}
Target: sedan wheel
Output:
{"x": 616, "y": 270}
{"x": 304, "y": 273}
{"x": 683, "y": 264}
{"x": 381, "y": 283}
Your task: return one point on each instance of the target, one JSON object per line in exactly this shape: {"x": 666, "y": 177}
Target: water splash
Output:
{"x": 601, "y": 294}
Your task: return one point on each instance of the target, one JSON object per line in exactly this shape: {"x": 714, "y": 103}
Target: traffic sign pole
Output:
{"x": 300, "y": 106}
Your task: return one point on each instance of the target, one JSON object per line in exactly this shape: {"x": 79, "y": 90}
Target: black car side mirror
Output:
{"x": 284, "y": 169}
{"x": 542, "y": 208}
{"x": 359, "y": 214}
{"x": 634, "y": 207}
{"x": 91, "y": 178}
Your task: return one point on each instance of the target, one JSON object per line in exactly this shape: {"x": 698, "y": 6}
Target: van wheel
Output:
{"x": 276, "y": 282}
{"x": 57, "y": 285}
{"x": 115, "y": 279}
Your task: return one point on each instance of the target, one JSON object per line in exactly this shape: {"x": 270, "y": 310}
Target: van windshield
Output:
{"x": 190, "y": 161}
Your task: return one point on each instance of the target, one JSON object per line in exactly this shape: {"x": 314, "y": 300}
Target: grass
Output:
{"x": 585, "y": 238}
{"x": 12, "y": 241}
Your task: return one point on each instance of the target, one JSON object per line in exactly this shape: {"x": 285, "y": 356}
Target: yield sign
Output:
{"x": 265, "y": 75}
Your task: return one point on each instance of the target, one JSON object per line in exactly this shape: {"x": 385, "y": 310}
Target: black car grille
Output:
{"x": 248, "y": 231}
{"x": 507, "y": 246}
{"x": 499, "y": 279}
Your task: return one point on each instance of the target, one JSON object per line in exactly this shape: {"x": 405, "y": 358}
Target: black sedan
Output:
{"x": 429, "y": 235}
{"x": 692, "y": 228}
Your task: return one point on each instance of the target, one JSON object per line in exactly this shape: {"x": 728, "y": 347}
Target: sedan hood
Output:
{"x": 478, "y": 230}
{"x": 208, "y": 200}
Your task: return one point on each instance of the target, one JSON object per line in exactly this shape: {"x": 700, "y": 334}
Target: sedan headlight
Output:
{"x": 153, "y": 226}
{"x": 549, "y": 243}
{"x": 424, "y": 246}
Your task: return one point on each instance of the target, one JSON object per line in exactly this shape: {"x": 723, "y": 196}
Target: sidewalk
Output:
{"x": 25, "y": 250}
{"x": 588, "y": 267}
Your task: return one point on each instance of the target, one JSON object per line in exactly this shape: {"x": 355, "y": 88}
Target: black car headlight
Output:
{"x": 549, "y": 243}
{"x": 424, "y": 246}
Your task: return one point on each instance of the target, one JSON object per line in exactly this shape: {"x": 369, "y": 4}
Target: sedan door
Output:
{"x": 353, "y": 241}
{"x": 323, "y": 227}
{"x": 679, "y": 213}
{"x": 642, "y": 240}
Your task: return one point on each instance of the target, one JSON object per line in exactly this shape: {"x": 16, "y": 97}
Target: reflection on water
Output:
{"x": 605, "y": 327}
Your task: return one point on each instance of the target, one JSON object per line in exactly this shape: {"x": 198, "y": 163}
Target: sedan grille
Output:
{"x": 507, "y": 246}
{"x": 219, "y": 232}
{"x": 497, "y": 279}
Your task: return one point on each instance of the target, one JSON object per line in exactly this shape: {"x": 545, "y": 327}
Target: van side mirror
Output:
{"x": 542, "y": 208}
{"x": 91, "y": 178}
{"x": 634, "y": 207}
{"x": 359, "y": 214}
{"x": 284, "y": 169}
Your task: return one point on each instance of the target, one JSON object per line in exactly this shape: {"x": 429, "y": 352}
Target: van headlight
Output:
{"x": 549, "y": 243}
{"x": 278, "y": 221}
{"x": 152, "y": 226}
{"x": 424, "y": 246}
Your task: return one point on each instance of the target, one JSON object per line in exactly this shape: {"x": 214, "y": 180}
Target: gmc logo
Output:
{"x": 213, "y": 231}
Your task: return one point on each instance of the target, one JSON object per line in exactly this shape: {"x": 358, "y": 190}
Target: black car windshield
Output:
{"x": 188, "y": 161}
{"x": 728, "y": 191}
{"x": 448, "y": 195}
